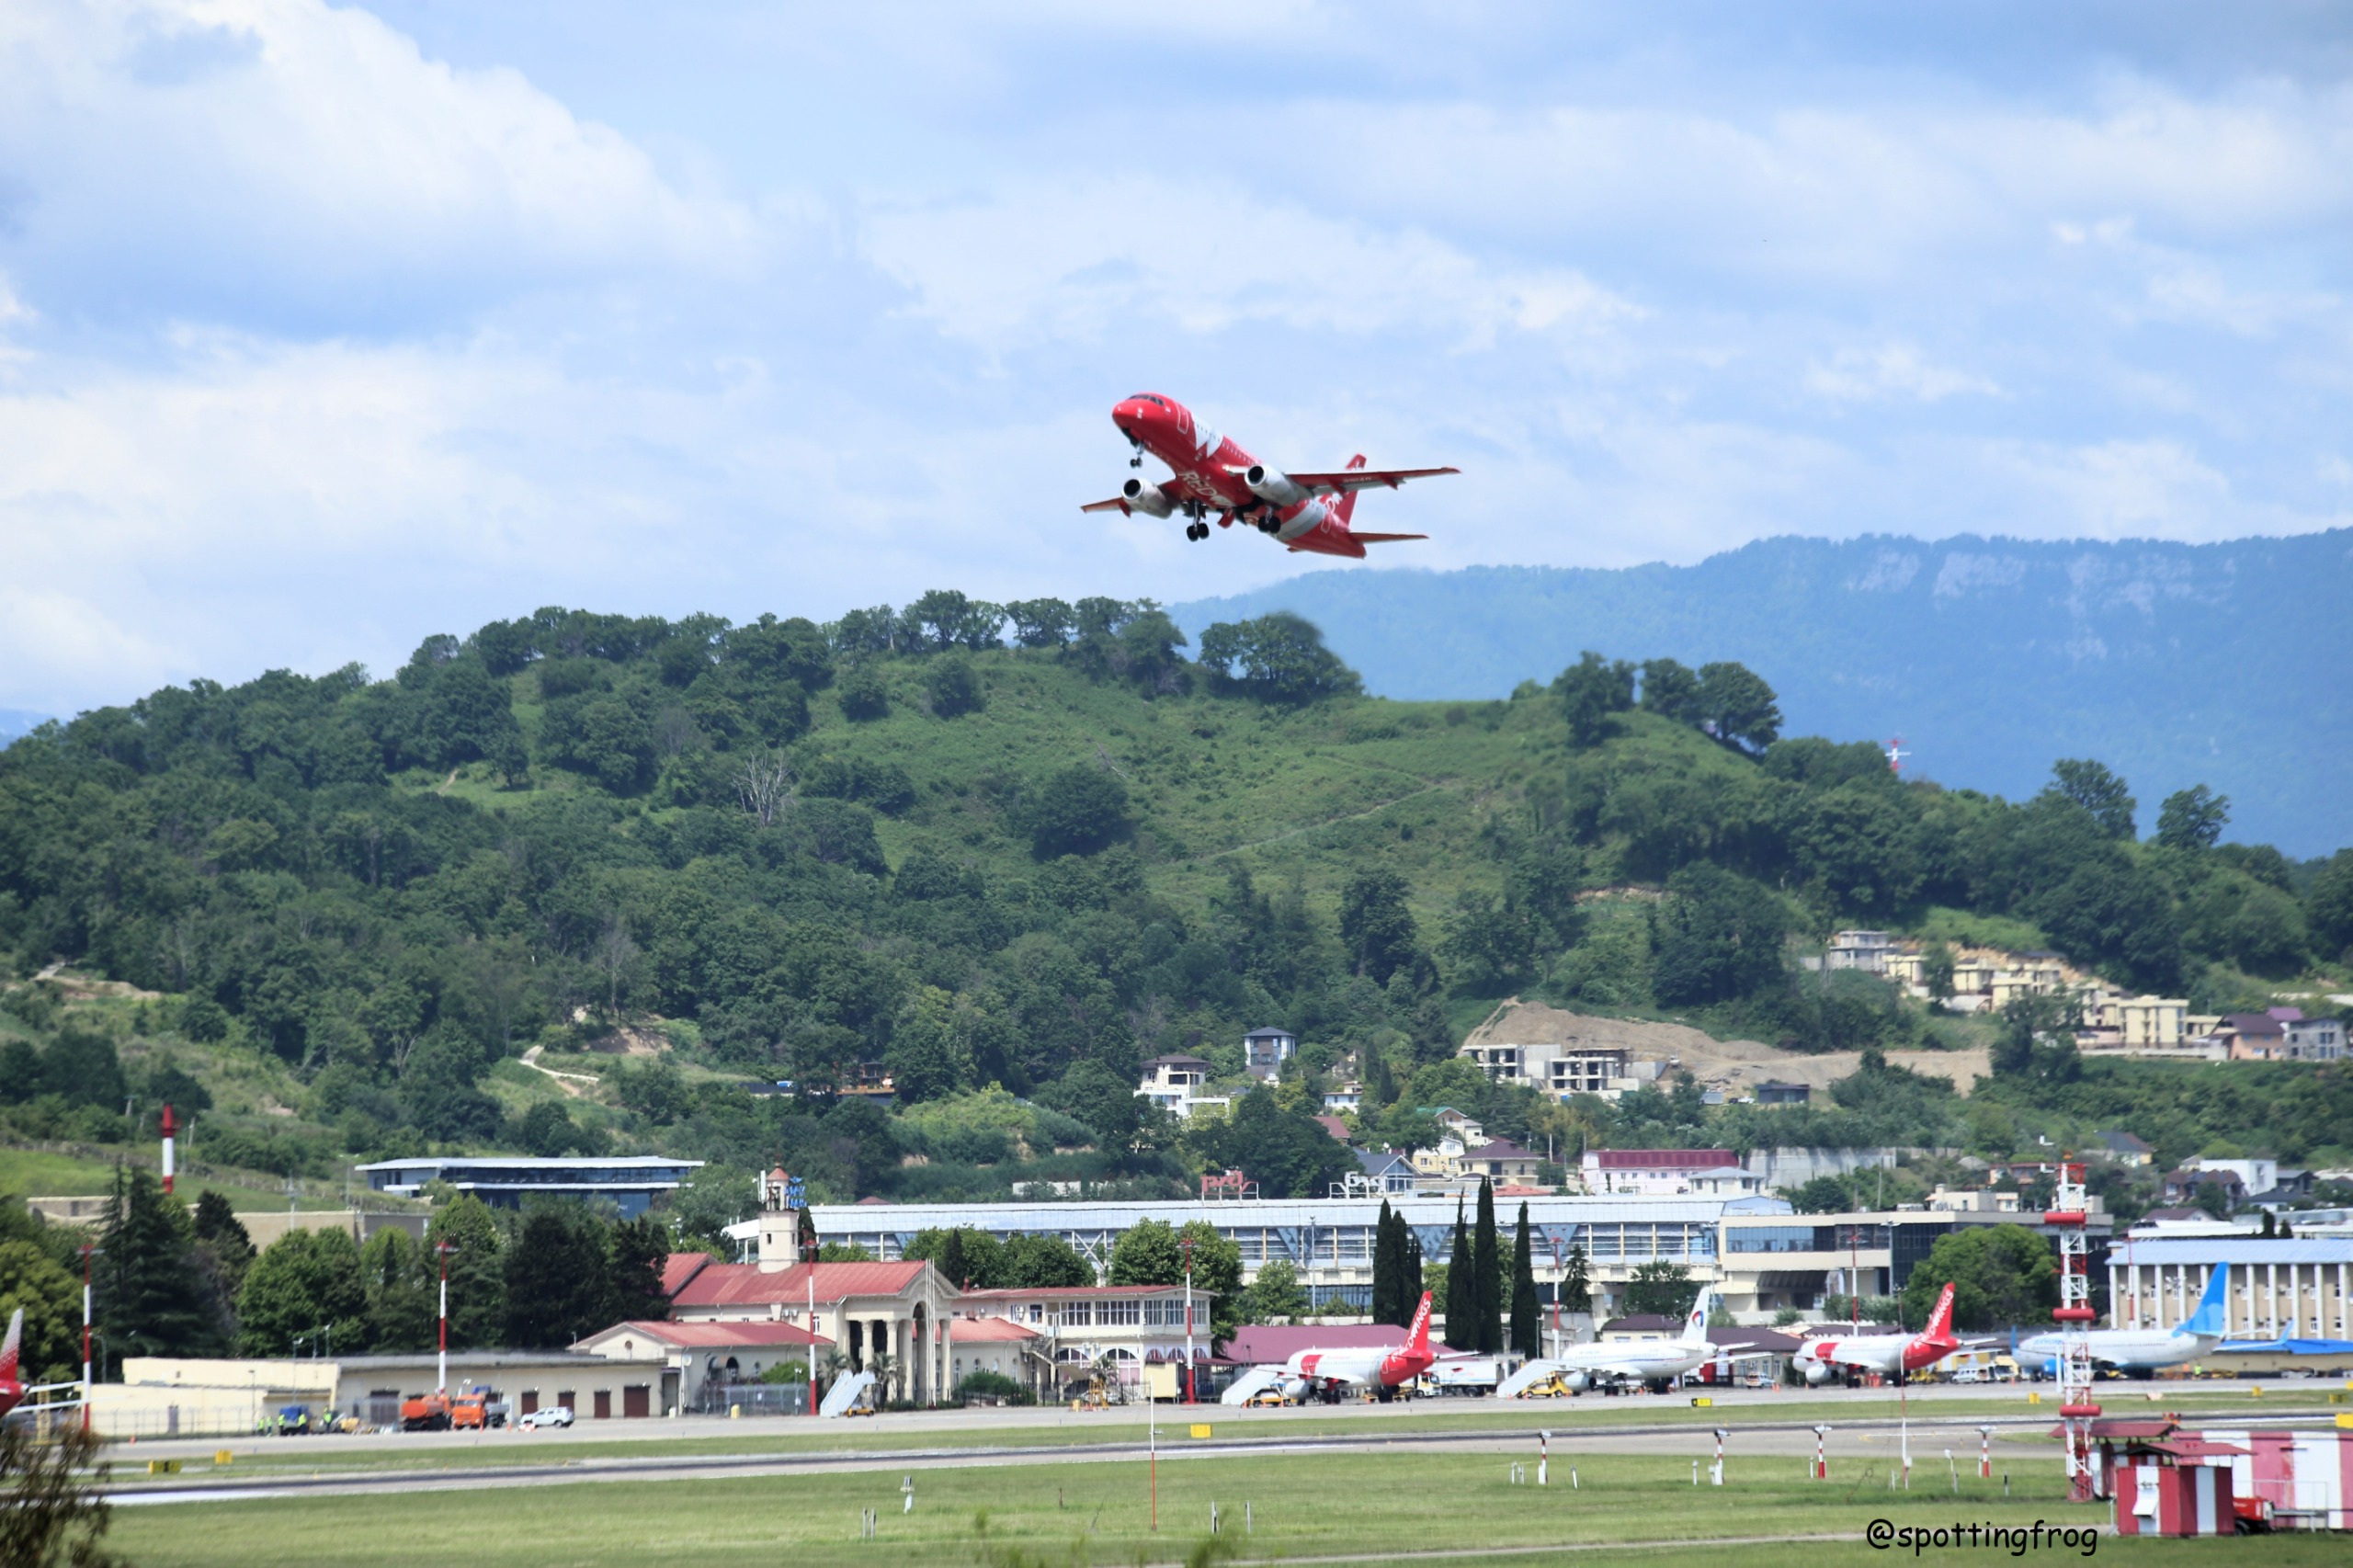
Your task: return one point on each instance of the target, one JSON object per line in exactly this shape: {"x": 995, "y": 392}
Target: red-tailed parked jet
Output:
{"x": 1889, "y": 1355}
{"x": 12, "y": 1382}
{"x": 1302, "y": 511}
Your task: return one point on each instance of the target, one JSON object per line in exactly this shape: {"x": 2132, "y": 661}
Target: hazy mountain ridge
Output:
{"x": 2222, "y": 664}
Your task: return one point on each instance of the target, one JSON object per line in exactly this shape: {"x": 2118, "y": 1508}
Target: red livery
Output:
{"x": 1210, "y": 475}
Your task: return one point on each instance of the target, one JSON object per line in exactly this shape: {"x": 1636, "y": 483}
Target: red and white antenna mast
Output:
{"x": 1895, "y": 755}
{"x": 170, "y": 1127}
{"x": 2068, "y": 1215}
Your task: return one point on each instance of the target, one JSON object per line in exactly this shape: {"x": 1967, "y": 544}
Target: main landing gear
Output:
{"x": 1197, "y": 531}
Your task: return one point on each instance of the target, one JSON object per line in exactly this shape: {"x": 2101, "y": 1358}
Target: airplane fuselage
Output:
{"x": 2126, "y": 1349}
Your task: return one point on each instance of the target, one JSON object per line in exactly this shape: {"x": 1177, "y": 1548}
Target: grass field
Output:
{"x": 1321, "y": 1507}
{"x": 33, "y": 1173}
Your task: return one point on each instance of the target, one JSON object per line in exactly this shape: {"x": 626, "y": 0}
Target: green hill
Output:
{"x": 670, "y": 858}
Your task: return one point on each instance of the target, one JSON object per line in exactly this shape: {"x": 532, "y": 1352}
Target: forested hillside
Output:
{"x": 670, "y": 858}
{"x": 2175, "y": 663}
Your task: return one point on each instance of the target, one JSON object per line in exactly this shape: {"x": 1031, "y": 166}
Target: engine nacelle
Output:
{"x": 1819, "y": 1372}
{"x": 1149, "y": 499}
{"x": 1579, "y": 1382}
{"x": 1273, "y": 486}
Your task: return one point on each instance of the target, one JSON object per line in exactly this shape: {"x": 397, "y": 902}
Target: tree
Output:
{"x": 1147, "y": 1253}
{"x": 1462, "y": 1294}
{"x": 1282, "y": 1147}
{"x": 1665, "y": 1289}
{"x": 221, "y": 1236}
{"x": 1719, "y": 937}
{"x": 1489, "y": 941}
{"x": 1275, "y": 1296}
{"x": 2001, "y": 1275}
{"x": 1386, "y": 1261}
{"x": 557, "y": 1277}
{"x": 1039, "y": 1263}
{"x": 34, "y": 1279}
{"x": 308, "y": 1285}
{"x": 154, "y": 1298}
{"x": 637, "y": 1251}
{"x": 1525, "y": 1332}
{"x": 1590, "y": 691}
{"x": 402, "y": 1287}
{"x": 1078, "y": 810}
{"x": 1670, "y": 690}
{"x": 863, "y": 693}
{"x": 1576, "y": 1282}
{"x": 2091, "y": 786}
{"x": 477, "y": 1285}
{"x": 53, "y": 1506}
{"x": 1281, "y": 658}
{"x": 2193, "y": 818}
{"x": 2329, "y": 903}
{"x": 1376, "y": 928}
{"x": 1937, "y": 971}
{"x": 1488, "y": 1273}
{"x": 1042, "y": 624}
{"x": 952, "y": 686}
{"x": 1735, "y": 701}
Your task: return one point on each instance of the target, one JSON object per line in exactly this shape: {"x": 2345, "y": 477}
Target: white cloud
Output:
{"x": 1070, "y": 260}
{"x": 1895, "y": 369}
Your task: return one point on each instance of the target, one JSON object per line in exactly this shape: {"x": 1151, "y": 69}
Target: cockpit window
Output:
{"x": 1147, "y": 397}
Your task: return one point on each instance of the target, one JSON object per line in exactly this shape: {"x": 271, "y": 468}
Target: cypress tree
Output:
{"x": 1384, "y": 1268}
{"x": 1415, "y": 1284}
{"x": 1488, "y": 1303}
{"x": 1526, "y": 1338}
{"x": 1462, "y": 1295}
{"x": 1577, "y": 1283}
{"x": 951, "y": 1261}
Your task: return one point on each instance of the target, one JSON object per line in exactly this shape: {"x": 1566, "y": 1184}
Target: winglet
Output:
{"x": 2213, "y": 1306}
{"x": 1417, "y": 1343}
{"x": 8, "y": 1346}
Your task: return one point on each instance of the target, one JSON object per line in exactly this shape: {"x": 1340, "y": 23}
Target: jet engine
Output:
{"x": 1149, "y": 499}
{"x": 1273, "y": 486}
{"x": 1819, "y": 1372}
{"x": 1578, "y": 1381}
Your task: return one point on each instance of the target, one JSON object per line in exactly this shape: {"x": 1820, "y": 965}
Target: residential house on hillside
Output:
{"x": 1865, "y": 951}
{"x": 1666, "y": 1172}
{"x": 1174, "y": 1084}
{"x": 1772, "y": 1090}
{"x": 2311, "y": 1040}
{"x": 1560, "y": 1071}
{"x": 2124, "y": 1148}
{"x": 1264, "y": 1052}
{"x": 1501, "y": 1161}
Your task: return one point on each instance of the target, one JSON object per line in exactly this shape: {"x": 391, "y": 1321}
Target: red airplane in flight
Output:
{"x": 1301, "y": 511}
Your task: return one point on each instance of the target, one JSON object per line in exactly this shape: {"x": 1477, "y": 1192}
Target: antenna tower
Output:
{"x": 2068, "y": 1215}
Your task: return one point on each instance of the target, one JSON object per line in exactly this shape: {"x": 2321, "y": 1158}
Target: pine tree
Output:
{"x": 1462, "y": 1296}
{"x": 1524, "y": 1333}
{"x": 951, "y": 1261}
{"x": 154, "y": 1298}
{"x": 477, "y": 1285}
{"x": 1576, "y": 1282}
{"x": 639, "y": 1248}
{"x": 1489, "y": 1284}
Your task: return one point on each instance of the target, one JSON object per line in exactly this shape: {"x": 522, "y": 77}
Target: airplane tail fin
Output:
{"x": 1347, "y": 506}
{"x": 8, "y": 1346}
{"x": 2213, "y": 1306}
{"x": 1694, "y": 1327}
{"x": 1418, "y": 1341}
{"x": 1940, "y": 1320}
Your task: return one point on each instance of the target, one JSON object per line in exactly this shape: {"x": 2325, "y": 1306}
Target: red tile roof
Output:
{"x": 717, "y": 1336}
{"x": 1334, "y": 1126}
{"x": 745, "y": 1284}
{"x": 679, "y": 1267}
{"x": 988, "y": 1330}
{"x": 1665, "y": 1159}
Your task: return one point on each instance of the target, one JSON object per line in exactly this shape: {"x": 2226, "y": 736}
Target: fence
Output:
{"x": 752, "y": 1399}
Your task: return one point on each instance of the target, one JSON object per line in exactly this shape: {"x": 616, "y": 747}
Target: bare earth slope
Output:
{"x": 1735, "y": 1066}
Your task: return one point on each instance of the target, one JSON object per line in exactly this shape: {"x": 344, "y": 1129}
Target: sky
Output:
{"x": 327, "y": 328}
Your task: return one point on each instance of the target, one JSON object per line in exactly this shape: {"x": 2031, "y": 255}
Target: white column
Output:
{"x": 2271, "y": 1294}
{"x": 2344, "y": 1326}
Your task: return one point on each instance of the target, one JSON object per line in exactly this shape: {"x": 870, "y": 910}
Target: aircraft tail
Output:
{"x": 1694, "y": 1327}
{"x": 8, "y": 1346}
{"x": 1418, "y": 1341}
{"x": 1940, "y": 1320}
{"x": 2213, "y": 1306}
{"x": 1347, "y": 505}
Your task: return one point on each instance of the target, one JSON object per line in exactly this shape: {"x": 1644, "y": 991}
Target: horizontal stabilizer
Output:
{"x": 1384, "y": 539}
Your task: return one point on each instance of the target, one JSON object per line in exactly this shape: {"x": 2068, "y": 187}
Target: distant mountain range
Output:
{"x": 2224, "y": 664}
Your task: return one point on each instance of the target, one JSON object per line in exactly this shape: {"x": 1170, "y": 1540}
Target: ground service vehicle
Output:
{"x": 547, "y": 1416}
{"x": 1273, "y": 1398}
{"x": 426, "y": 1412}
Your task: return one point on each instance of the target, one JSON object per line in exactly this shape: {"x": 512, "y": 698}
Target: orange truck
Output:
{"x": 473, "y": 1410}
{"x": 426, "y": 1412}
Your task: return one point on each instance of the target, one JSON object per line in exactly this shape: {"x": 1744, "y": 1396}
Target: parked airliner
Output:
{"x": 1657, "y": 1362}
{"x": 2142, "y": 1350}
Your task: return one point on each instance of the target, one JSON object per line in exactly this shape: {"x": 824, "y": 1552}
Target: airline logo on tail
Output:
{"x": 1940, "y": 1320}
{"x": 1417, "y": 1339}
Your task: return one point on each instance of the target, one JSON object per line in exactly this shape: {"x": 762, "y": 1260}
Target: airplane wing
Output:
{"x": 1383, "y": 539}
{"x": 1350, "y": 479}
{"x": 1116, "y": 503}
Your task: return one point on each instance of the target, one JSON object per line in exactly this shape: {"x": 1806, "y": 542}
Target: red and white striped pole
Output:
{"x": 1719, "y": 1475}
{"x": 1543, "y": 1457}
{"x": 442, "y": 1385}
{"x": 88, "y": 1252}
{"x": 1984, "y": 1453}
{"x": 170, "y": 1127}
{"x": 1821, "y": 1460}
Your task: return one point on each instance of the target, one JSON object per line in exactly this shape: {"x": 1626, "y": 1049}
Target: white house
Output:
{"x": 1174, "y": 1084}
{"x": 1264, "y": 1052}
